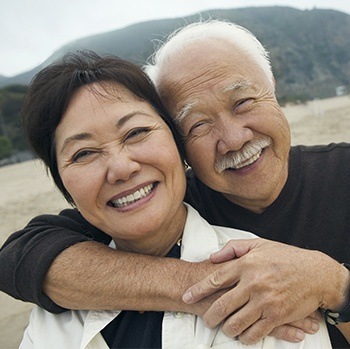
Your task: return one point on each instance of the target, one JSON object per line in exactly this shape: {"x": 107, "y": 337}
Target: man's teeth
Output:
{"x": 131, "y": 198}
{"x": 248, "y": 161}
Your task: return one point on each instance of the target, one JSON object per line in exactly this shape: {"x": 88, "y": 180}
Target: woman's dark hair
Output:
{"x": 53, "y": 88}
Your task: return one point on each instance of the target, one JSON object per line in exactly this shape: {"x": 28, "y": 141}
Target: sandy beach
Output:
{"x": 27, "y": 191}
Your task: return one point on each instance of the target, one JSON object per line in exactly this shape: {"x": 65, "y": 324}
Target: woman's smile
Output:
{"x": 134, "y": 198}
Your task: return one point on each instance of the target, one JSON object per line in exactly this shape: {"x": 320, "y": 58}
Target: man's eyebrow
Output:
{"x": 237, "y": 86}
{"x": 184, "y": 112}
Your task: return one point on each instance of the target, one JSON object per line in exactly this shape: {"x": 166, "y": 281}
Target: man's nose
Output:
{"x": 121, "y": 166}
{"x": 232, "y": 134}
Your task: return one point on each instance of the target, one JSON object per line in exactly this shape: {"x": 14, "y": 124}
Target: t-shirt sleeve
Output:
{"x": 27, "y": 254}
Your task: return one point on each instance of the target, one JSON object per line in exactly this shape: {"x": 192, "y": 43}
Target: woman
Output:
{"x": 99, "y": 127}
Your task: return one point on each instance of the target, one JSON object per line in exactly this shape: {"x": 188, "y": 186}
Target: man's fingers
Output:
{"x": 288, "y": 333}
{"x": 225, "y": 254}
{"x": 316, "y": 315}
{"x": 223, "y": 307}
{"x": 251, "y": 327}
{"x": 233, "y": 249}
{"x": 259, "y": 330}
{"x": 246, "y": 325}
{"x": 307, "y": 325}
{"x": 295, "y": 331}
{"x": 219, "y": 280}
{"x": 202, "y": 289}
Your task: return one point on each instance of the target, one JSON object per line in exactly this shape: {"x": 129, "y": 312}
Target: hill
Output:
{"x": 309, "y": 54}
{"x": 309, "y": 49}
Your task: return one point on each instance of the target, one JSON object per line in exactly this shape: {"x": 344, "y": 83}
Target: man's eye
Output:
{"x": 197, "y": 126}
{"x": 242, "y": 105}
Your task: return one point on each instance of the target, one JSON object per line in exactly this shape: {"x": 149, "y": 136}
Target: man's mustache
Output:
{"x": 239, "y": 158}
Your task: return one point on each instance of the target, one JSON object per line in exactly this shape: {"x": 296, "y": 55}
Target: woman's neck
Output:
{"x": 160, "y": 242}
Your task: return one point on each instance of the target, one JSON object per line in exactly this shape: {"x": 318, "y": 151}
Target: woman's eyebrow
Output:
{"x": 76, "y": 137}
{"x": 84, "y": 135}
{"x": 124, "y": 119}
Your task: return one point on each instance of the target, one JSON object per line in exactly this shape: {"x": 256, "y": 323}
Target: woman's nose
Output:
{"x": 121, "y": 167}
{"x": 232, "y": 135}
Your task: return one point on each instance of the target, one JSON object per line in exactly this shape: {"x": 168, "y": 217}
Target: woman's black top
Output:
{"x": 132, "y": 329}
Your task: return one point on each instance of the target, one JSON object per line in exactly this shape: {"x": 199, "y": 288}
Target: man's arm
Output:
{"x": 80, "y": 273}
{"x": 62, "y": 262}
{"x": 27, "y": 254}
{"x": 90, "y": 275}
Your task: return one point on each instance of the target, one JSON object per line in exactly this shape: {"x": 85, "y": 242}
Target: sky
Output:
{"x": 32, "y": 30}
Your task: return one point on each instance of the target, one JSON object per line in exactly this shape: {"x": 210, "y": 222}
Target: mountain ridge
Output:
{"x": 308, "y": 48}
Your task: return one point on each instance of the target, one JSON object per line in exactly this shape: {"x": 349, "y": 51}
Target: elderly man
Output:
{"x": 216, "y": 81}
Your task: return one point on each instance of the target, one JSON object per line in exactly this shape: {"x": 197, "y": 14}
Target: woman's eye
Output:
{"x": 138, "y": 132}
{"x": 81, "y": 154}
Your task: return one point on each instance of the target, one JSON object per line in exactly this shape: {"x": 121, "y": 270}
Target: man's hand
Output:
{"x": 269, "y": 284}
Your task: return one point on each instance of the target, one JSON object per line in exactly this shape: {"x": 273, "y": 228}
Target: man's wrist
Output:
{"x": 343, "y": 315}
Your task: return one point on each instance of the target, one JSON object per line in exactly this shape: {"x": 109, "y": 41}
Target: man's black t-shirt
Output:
{"x": 313, "y": 210}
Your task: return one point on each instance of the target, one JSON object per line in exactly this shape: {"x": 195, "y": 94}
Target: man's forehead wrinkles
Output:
{"x": 200, "y": 76}
{"x": 201, "y": 81}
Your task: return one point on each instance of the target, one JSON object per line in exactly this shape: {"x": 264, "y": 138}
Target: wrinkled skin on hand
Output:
{"x": 269, "y": 284}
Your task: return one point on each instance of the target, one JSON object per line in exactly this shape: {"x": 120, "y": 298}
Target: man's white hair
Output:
{"x": 188, "y": 35}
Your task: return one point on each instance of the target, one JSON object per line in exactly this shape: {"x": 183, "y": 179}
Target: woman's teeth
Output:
{"x": 131, "y": 198}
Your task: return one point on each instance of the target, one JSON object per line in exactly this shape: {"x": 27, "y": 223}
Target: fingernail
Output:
{"x": 187, "y": 297}
{"x": 299, "y": 335}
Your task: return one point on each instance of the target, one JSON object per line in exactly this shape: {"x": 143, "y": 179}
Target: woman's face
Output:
{"x": 118, "y": 160}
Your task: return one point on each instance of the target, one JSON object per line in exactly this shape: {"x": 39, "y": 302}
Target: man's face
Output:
{"x": 236, "y": 136}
